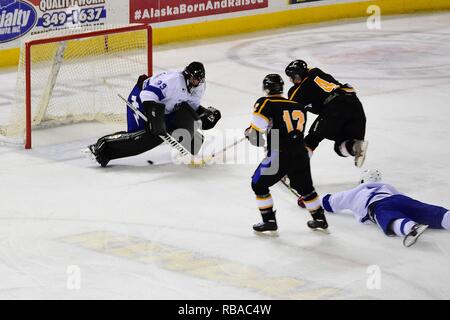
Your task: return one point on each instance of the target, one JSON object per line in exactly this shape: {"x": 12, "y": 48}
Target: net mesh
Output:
{"x": 77, "y": 80}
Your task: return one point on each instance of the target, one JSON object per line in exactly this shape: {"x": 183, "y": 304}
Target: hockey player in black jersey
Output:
{"x": 283, "y": 121}
{"x": 341, "y": 115}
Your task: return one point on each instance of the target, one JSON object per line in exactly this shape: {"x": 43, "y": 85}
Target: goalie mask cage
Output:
{"x": 70, "y": 76}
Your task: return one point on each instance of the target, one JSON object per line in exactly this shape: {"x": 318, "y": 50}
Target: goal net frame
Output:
{"x": 55, "y": 68}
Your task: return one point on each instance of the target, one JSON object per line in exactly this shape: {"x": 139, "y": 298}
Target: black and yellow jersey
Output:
{"x": 284, "y": 115}
{"x": 314, "y": 90}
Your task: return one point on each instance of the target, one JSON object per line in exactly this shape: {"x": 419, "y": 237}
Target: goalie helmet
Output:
{"x": 370, "y": 175}
{"x": 296, "y": 67}
{"x": 273, "y": 84}
{"x": 195, "y": 70}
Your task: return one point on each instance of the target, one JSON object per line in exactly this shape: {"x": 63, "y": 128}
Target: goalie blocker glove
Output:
{"x": 155, "y": 118}
{"x": 209, "y": 117}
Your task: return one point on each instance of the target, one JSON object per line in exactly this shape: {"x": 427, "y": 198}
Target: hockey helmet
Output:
{"x": 370, "y": 175}
{"x": 195, "y": 70}
{"x": 273, "y": 84}
{"x": 296, "y": 67}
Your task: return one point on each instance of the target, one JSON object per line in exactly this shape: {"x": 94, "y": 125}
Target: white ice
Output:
{"x": 136, "y": 231}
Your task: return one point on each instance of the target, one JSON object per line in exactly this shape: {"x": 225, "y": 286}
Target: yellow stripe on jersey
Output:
{"x": 295, "y": 91}
{"x": 288, "y": 101}
{"x": 256, "y": 128}
{"x": 262, "y": 107}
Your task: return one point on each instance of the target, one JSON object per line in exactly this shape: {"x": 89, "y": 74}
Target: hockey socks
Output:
{"x": 311, "y": 201}
{"x": 401, "y": 227}
{"x": 446, "y": 220}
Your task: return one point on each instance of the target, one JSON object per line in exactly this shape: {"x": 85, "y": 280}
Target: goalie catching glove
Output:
{"x": 209, "y": 117}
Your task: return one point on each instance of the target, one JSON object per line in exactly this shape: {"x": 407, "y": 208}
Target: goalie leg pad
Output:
{"x": 187, "y": 124}
{"x": 123, "y": 144}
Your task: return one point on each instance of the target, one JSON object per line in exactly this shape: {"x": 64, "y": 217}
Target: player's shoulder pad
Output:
{"x": 315, "y": 72}
{"x": 260, "y": 102}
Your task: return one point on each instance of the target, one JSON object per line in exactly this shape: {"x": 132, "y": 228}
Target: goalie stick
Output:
{"x": 206, "y": 160}
{"x": 167, "y": 137}
{"x": 223, "y": 150}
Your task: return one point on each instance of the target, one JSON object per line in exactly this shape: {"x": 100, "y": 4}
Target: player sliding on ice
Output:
{"x": 341, "y": 116}
{"x": 395, "y": 213}
{"x": 283, "y": 121}
{"x": 170, "y": 101}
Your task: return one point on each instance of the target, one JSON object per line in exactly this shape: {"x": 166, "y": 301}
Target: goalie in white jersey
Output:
{"x": 171, "y": 101}
{"x": 380, "y": 203}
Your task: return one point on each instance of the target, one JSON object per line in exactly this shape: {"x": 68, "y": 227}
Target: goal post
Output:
{"x": 61, "y": 77}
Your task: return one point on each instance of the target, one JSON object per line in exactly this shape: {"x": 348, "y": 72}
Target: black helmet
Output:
{"x": 195, "y": 70}
{"x": 273, "y": 84}
{"x": 296, "y": 67}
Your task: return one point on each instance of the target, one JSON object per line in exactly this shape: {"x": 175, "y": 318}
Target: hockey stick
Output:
{"x": 167, "y": 137}
{"x": 223, "y": 150}
{"x": 283, "y": 181}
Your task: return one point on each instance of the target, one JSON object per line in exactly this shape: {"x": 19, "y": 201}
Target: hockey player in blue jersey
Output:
{"x": 170, "y": 100}
{"x": 382, "y": 204}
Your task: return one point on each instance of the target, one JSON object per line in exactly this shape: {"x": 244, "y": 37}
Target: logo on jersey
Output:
{"x": 17, "y": 18}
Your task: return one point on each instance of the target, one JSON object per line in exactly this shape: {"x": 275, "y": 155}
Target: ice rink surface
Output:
{"x": 137, "y": 231}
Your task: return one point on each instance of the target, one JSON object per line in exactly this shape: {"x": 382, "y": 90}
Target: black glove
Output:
{"x": 155, "y": 117}
{"x": 254, "y": 137}
{"x": 141, "y": 80}
{"x": 209, "y": 117}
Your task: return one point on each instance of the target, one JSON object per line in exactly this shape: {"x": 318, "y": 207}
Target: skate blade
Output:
{"x": 409, "y": 241}
{"x": 320, "y": 230}
{"x": 87, "y": 152}
{"x": 359, "y": 160}
{"x": 266, "y": 234}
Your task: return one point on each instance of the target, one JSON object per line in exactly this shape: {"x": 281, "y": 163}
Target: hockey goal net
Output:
{"x": 74, "y": 76}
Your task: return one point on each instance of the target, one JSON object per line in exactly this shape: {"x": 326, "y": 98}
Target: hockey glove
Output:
{"x": 155, "y": 117}
{"x": 254, "y": 137}
{"x": 209, "y": 117}
{"x": 141, "y": 80}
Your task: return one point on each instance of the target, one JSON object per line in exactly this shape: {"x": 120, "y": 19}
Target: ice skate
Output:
{"x": 414, "y": 234}
{"x": 319, "y": 221}
{"x": 360, "y": 150}
{"x": 91, "y": 153}
{"x": 265, "y": 226}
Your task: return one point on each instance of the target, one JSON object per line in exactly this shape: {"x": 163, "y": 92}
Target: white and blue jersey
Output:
{"x": 390, "y": 205}
{"x": 168, "y": 88}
